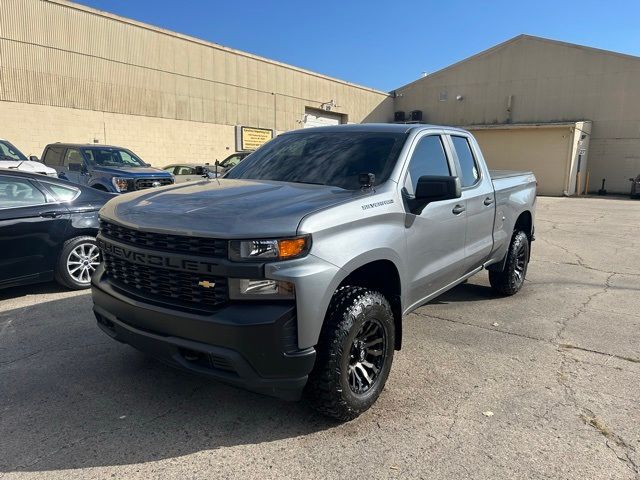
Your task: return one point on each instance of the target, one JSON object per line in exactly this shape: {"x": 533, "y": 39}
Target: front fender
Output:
{"x": 101, "y": 183}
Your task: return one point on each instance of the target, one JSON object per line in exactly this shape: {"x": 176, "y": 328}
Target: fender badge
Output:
{"x": 206, "y": 284}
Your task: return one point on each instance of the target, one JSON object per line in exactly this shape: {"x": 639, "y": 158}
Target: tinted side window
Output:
{"x": 53, "y": 156}
{"x": 72, "y": 156}
{"x": 469, "y": 169}
{"x": 64, "y": 194}
{"x": 18, "y": 192}
{"x": 429, "y": 158}
{"x": 185, "y": 171}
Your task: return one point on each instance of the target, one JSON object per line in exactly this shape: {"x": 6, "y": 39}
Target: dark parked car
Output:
{"x": 104, "y": 167}
{"x": 47, "y": 230}
{"x": 635, "y": 187}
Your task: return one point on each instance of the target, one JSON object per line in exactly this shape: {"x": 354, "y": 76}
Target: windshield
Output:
{"x": 9, "y": 152}
{"x": 331, "y": 158}
{"x": 231, "y": 161}
{"x": 111, "y": 157}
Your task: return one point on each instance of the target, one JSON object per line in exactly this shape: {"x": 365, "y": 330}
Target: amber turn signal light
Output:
{"x": 292, "y": 247}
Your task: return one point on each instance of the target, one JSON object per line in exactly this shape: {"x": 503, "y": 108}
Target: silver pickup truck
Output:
{"x": 292, "y": 274}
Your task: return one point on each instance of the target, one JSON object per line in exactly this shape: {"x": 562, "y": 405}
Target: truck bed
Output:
{"x": 500, "y": 174}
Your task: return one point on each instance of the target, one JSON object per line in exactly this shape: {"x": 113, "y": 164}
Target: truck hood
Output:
{"x": 135, "y": 172}
{"x": 224, "y": 208}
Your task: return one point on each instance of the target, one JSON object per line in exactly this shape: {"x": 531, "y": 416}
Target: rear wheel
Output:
{"x": 510, "y": 280}
{"x": 354, "y": 354}
{"x": 78, "y": 260}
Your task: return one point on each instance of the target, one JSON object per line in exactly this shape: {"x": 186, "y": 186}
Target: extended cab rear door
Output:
{"x": 478, "y": 193}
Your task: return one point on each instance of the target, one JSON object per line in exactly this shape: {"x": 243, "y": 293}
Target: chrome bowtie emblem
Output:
{"x": 155, "y": 184}
{"x": 206, "y": 284}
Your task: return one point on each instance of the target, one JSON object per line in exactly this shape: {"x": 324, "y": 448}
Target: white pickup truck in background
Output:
{"x": 14, "y": 159}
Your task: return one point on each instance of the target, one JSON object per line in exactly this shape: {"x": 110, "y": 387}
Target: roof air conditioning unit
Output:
{"x": 398, "y": 117}
{"x": 416, "y": 115}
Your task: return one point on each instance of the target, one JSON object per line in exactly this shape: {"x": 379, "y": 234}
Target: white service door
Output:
{"x": 321, "y": 119}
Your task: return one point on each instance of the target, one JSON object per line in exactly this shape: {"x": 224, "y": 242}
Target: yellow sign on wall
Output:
{"x": 250, "y": 138}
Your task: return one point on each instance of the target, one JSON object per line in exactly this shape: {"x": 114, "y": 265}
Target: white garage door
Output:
{"x": 321, "y": 119}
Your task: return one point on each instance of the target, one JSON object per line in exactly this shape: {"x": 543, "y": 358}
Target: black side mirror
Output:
{"x": 434, "y": 188}
{"x": 33, "y": 158}
{"x": 75, "y": 167}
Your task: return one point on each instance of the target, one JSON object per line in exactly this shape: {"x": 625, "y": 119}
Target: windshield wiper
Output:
{"x": 309, "y": 183}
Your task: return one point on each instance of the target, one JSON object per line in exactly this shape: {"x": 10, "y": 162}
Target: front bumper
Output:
{"x": 249, "y": 345}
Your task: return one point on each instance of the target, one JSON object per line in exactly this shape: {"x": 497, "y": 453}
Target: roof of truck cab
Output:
{"x": 84, "y": 145}
{"x": 375, "y": 127}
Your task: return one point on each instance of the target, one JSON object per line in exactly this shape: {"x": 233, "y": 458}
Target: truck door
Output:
{"x": 435, "y": 237}
{"x": 478, "y": 193}
{"x": 73, "y": 167}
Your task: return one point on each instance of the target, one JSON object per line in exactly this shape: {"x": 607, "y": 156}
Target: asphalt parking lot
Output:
{"x": 544, "y": 384}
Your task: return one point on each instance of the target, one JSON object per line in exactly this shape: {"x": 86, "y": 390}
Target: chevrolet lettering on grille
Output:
{"x": 174, "y": 262}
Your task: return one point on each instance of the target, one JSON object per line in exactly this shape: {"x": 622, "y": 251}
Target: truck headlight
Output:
{"x": 260, "y": 289}
{"x": 121, "y": 184}
{"x": 277, "y": 249}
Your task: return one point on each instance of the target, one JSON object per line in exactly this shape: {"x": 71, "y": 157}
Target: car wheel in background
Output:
{"x": 78, "y": 260}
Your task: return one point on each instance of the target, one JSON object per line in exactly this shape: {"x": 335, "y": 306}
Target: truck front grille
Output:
{"x": 143, "y": 183}
{"x": 187, "y": 289}
{"x": 199, "y": 246}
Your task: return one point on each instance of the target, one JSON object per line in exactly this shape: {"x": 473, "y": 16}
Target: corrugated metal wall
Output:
{"x": 61, "y": 54}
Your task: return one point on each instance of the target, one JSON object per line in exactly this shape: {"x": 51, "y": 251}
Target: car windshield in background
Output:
{"x": 231, "y": 161}
{"x": 9, "y": 152}
{"x": 111, "y": 157}
{"x": 331, "y": 158}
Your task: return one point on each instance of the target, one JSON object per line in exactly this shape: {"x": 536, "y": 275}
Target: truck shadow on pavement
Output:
{"x": 466, "y": 292}
{"x": 70, "y": 397}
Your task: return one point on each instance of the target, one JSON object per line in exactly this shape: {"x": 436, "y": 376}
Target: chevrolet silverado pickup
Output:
{"x": 291, "y": 275}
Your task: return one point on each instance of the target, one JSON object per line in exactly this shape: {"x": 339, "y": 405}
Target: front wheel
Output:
{"x": 354, "y": 354}
{"x": 510, "y": 280}
{"x": 78, "y": 260}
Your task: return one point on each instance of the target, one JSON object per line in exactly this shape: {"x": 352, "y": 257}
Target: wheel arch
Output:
{"x": 383, "y": 276}
{"x": 524, "y": 222}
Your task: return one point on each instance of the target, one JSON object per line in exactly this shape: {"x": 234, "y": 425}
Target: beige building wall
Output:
{"x": 534, "y": 80}
{"x": 158, "y": 141}
{"x": 549, "y": 151}
{"x": 61, "y": 55}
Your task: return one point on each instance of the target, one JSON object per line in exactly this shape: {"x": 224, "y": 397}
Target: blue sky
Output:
{"x": 384, "y": 44}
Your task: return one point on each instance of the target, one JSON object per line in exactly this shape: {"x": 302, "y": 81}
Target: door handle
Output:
{"x": 488, "y": 201}
{"x": 458, "y": 209}
{"x": 51, "y": 214}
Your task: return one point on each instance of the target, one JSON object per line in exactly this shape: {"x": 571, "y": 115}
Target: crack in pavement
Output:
{"x": 529, "y": 337}
{"x": 589, "y": 418}
{"x": 588, "y": 267}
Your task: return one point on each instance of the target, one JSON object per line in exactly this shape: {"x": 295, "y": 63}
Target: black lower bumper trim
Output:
{"x": 242, "y": 345}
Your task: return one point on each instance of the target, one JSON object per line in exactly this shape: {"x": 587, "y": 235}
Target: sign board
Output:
{"x": 250, "y": 138}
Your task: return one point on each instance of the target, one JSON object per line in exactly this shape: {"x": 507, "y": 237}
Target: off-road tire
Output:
{"x": 328, "y": 389}
{"x": 510, "y": 280}
{"x": 62, "y": 274}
